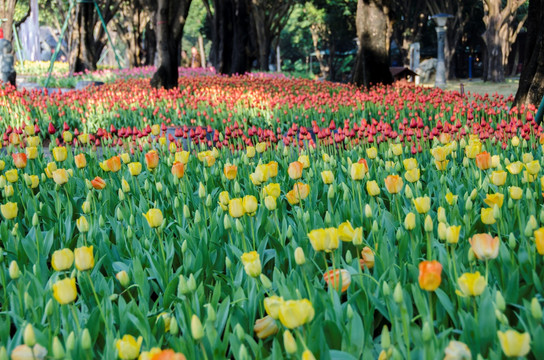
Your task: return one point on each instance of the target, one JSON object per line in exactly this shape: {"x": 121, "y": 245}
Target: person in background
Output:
{"x": 195, "y": 58}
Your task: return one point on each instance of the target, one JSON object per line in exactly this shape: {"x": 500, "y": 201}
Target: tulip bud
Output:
{"x": 289, "y": 342}
{"x": 328, "y": 219}
{"x": 386, "y": 289}
{"x": 512, "y": 241}
{"x": 242, "y": 352}
{"x": 212, "y": 316}
{"x": 186, "y": 212}
{"x": 14, "y": 271}
{"x": 209, "y": 200}
{"x": 306, "y": 217}
{"x": 146, "y": 186}
{"x": 184, "y": 246}
{"x": 86, "y": 341}
{"x": 29, "y": 337}
{"x": 71, "y": 341}
{"x": 49, "y": 307}
{"x": 174, "y": 327}
{"x": 121, "y": 195}
{"x": 226, "y": 222}
{"x": 3, "y": 353}
{"x": 29, "y": 303}
{"x": 501, "y": 317}
{"x": 426, "y": 332}
{"x": 500, "y": 304}
{"x": 330, "y": 192}
{"x": 398, "y": 234}
{"x": 197, "y": 217}
{"x": 237, "y": 189}
{"x": 468, "y": 205}
{"x": 441, "y": 215}
{"x": 201, "y": 191}
{"x": 123, "y": 278}
{"x": 408, "y": 192}
{"x": 349, "y": 312}
{"x": 113, "y": 297}
{"x": 428, "y": 224}
{"x": 510, "y": 204}
{"x": 119, "y": 214}
{"x": 349, "y": 257}
{"x": 191, "y": 283}
{"x": 300, "y": 259}
{"x": 375, "y": 226}
{"x": 267, "y": 284}
{"x": 35, "y": 220}
{"x": 129, "y": 232}
{"x": 442, "y": 231}
{"x": 238, "y": 225}
{"x": 239, "y": 331}
{"x": 536, "y": 309}
{"x": 386, "y": 339}
{"x": 496, "y": 212}
{"x": 398, "y": 294}
{"x": 228, "y": 263}
{"x": 183, "y": 288}
{"x": 368, "y": 211}
{"x": 58, "y": 349}
{"x": 289, "y": 232}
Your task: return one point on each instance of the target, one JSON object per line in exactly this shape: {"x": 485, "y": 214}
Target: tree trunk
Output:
{"x": 372, "y": 63}
{"x": 531, "y": 82}
{"x": 84, "y": 58}
{"x": 171, "y": 16}
{"x": 7, "y": 11}
{"x": 263, "y": 37}
{"x": 230, "y": 37}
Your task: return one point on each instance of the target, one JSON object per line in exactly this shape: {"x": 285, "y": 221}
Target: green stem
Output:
{"x": 98, "y": 302}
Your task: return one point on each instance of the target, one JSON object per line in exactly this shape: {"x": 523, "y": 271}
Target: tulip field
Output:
{"x": 264, "y": 217}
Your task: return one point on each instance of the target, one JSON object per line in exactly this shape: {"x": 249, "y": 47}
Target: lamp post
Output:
{"x": 440, "y": 20}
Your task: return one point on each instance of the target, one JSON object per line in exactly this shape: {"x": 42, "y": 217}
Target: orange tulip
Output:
{"x": 19, "y": 160}
{"x": 485, "y": 246}
{"x": 80, "y": 161}
{"x": 334, "y": 277}
{"x": 98, "y": 183}
{"x": 114, "y": 164}
{"x": 393, "y": 183}
{"x": 483, "y": 160}
{"x": 230, "y": 171}
{"x": 430, "y": 275}
{"x": 272, "y": 169}
{"x": 178, "y": 169}
{"x": 152, "y": 159}
{"x": 168, "y": 354}
{"x": 295, "y": 170}
{"x": 367, "y": 258}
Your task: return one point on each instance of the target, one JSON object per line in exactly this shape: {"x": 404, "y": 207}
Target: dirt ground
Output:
{"x": 479, "y": 86}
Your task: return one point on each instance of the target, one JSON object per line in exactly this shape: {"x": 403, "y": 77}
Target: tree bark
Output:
{"x": 85, "y": 52}
{"x": 7, "y": 11}
{"x": 372, "y": 63}
{"x": 171, "y": 16}
{"x": 531, "y": 82}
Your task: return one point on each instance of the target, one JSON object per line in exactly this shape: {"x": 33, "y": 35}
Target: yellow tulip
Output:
{"x": 33, "y": 141}
{"x": 125, "y": 157}
{"x": 515, "y": 192}
{"x": 265, "y": 327}
{"x": 182, "y": 157}
{"x": 270, "y": 203}
{"x": 393, "y": 184}
{"x": 154, "y": 217}
{"x": 422, "y": 204}
{"x": 9, "y": 210}
{"x": 527, "y": 158}
{"x": 272, "y": 169}
{"x": 533, "y": 167}
{"x": 451, "y": 199}
{"x": 485, "y": 246}
{"x": 12, "y": 175}
{"x": 457, "y": 350}
{"x": 32, "y": 152}
{"x": 498, "y": 177}
{"x": 372, "y": 188}
{"x": 495, "y": 161}
{"x": 439, "y": 153}
{"x": 252, "y": 263}
{"x": 304, "y": 160}
{"x": 494, "y": 199}
{"x": 249, "y": 202}
{"x": 409, "y": 164}
{"x": 487, "y": 216}
{"x": 514, "y": 344}
{"x": 327, "y": 176}
{"x": 452, "y": 234}
{"x": 60, "y": 176}
{"x": 60, "y": 153}
{"x": 33, "y": 181}
{"x": 62, "y": 259}
{"x": 272, "y": 306}
{"x": 8, "y": 190}
{"x": 84, "y": 258}
{"x": 83, "y": 138}
{"x": 396, "y": 149}
{"x": 51, "y": 167}
{"x": 473, "y": 150}
{"x": 80, "y": 161}
{"x": 295, "y": 170}
{"x": 224, "y": 199}
{"x": 261, "y": 147}
{"x": 82, "y": 224}
{"x": 272, "y": 189}
{"x": 308, "y": 355}
{"x": 410, "y": 221}
{"x": 412, "y": 175}
{"x": 250, "y": 152}
{"x": 295, "y": 313}
{"x": 539, "y": 240}
{"x": 346, "y": 231}
{"x": 236, "y": 208}
{"x": 515, "y": 167}
{"x": 372, "y": 152}
{"x": 324, "y": 239}
{"x": 471, "y": 284}
{"x": 65, "y": 291}
{"x": 135, "y": 168}
{"x": 358, "y": 170}
{"x": 128, "y": 347}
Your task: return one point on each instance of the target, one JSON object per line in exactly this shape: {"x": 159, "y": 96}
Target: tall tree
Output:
{"x": 7, "y": 10}
{"x": 531, "y": 82}
{"x": 171, "y": 16}
{"x": 135, "y": 17}
{"x": 373, "y": 32}
{"x": 502, "y": 28}
{"x": 270, "y": 17}
{"x": 231, "y": 51}
{"x": 409, "y": 17}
